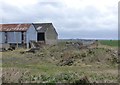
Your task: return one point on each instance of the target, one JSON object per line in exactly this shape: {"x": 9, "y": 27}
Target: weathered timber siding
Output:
{"x": 2, "y": 37}
{"x": 51, "y": 36}
{"x": 31, "y": 34}
{"x": 14, "y": 37}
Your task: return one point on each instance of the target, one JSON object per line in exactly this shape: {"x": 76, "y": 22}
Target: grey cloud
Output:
{"x": 69, "y": 22}
{"x": 53, "y": 4}
{"x": 104, "y": 34}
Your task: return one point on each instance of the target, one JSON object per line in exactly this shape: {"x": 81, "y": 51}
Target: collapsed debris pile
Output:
{"x": 73, "y": 53}
{"x": 34, "y": 44}
{"x": 87, "y": 54}
{"x": 77, "y": 45}
{"x": 67, "y": 62}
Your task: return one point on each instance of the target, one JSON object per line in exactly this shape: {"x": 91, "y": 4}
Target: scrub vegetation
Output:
{"x": 66, "y": 62}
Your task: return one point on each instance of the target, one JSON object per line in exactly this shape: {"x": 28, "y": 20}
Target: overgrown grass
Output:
{"x": 93, "y": 63}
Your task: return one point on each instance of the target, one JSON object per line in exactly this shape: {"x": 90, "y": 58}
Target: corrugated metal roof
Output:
{"x": 14, "y": 27}
{"x": 42, "y": 27}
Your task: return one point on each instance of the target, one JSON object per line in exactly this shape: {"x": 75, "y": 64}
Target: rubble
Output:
{"x": 32, "y": 50}
{"x": 67, "y": 62}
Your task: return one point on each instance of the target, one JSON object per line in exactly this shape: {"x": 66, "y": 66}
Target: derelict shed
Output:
{"x": 46, "y": 32}
{"x": 23, "y": 34}
{"x": 15, "y": 34}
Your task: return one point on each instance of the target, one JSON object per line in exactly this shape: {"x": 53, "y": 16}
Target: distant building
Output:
{"x": 24, "y": 33}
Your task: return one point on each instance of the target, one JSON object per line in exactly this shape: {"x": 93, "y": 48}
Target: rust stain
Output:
{"x": 14, "y": 27}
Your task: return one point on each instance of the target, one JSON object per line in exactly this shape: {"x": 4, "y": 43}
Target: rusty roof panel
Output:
{"x": 14, "y": 27}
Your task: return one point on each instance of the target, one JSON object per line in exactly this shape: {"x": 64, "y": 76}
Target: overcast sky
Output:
{"x": 71, "y": 18}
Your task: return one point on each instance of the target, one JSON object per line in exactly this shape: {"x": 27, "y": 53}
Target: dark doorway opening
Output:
{"x": 22, "y": 37}
{"x": 41, "y": 36}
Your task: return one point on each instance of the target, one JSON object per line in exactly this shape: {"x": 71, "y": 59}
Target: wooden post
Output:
{"x": 24, "y": 39}
{"x": 6, "y": 37}
{"x": 17, "y": 40}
